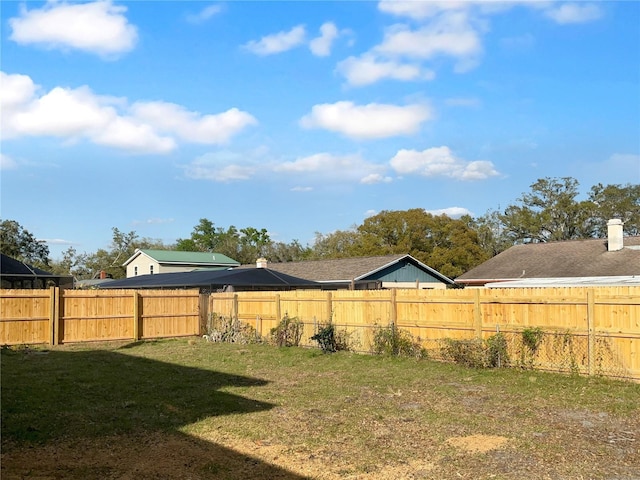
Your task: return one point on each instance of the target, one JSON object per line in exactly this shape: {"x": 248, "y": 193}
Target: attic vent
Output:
{"x": 213, "y": 256}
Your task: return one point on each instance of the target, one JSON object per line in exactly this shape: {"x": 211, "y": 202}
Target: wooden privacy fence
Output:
{"x": 57, "y": 315}
{"x": 590, "y": 330}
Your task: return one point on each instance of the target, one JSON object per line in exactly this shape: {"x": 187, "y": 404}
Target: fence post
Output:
{"x": 591, "y": 331}
{"x": 58, "y": 324}
{"x": 477, "y": 315}
{"x": 235, "y": 308}
{"x": 136, "y": 316}
{"x": 394, "y": 307}
{"x": 203, "y": 312}
{"x": 330, "y": 307}
{"x": 278, "y": 311}
{"x": 54, "y": 317}
{"x": 258, "y": 326}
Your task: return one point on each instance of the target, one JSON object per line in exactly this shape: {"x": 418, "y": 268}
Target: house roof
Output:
{"x": 573, "y": 258}
{"x": 621, "y": 281}
{"x": 16, "y": 272}
{"x": 182, "y": 258}
{"x": 345, "y": 270}
{"x": 237, "y": 277}
{"x": 10, "y": 267}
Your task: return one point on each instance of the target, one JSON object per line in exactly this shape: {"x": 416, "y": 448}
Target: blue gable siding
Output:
{"x": 403, "y": 271}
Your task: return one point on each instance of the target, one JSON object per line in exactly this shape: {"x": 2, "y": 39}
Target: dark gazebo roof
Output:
{"x": 16, "y": 274}
{"x": 236, "y": 279}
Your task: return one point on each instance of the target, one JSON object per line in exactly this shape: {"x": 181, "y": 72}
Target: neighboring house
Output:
{"x": 144, "y": 262}
{"x": 612, "y": 261}
{"x": 16, "y": 274}
{"x": 361, "y": 273}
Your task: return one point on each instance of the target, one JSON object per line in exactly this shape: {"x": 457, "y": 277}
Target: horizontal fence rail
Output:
{"x": 58, "y": 316}
{"x": 588, "y": 330}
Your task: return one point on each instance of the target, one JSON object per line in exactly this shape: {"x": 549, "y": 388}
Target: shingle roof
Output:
{"x": 343, "y": 269}
{"x": 189, "y": 258}
{"x": 574, "y": 258}
{"x": 257, "y": 277}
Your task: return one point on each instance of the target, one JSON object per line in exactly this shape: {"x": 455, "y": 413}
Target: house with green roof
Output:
{"x": 146, "y": 261}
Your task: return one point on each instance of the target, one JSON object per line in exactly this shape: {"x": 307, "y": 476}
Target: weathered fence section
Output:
{"x": 57, "y": 315}
{"x": 590, "y": 330}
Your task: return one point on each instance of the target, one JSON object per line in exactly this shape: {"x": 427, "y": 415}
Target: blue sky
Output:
{"x": 304, "y": 117}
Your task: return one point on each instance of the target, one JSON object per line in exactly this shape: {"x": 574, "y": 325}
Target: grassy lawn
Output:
{"x": 190, "y": 409}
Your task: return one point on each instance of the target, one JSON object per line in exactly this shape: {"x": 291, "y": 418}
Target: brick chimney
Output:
{"x": 261, "y": 263}
{"x": 614, "y": 235}
{"x": 103, "y": 274}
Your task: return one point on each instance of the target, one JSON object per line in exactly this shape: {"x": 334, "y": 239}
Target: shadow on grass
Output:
{"x": 124, "y": 409}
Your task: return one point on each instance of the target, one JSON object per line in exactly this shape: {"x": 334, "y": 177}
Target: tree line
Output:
{"x": 550, "y": 211}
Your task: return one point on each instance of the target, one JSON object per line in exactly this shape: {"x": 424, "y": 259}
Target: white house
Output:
{"x": 145, "y": 262}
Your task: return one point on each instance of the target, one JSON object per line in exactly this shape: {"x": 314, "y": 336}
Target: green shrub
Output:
{"x": 288, "y": 332}
{"x": 326, "y": 338}
{"x": 330, "y": 339}
{"x": 532, "y": 338}
{"x": 469, "y": 353}
{"x": 396, "y": 342}
{"x": 490, "y": 353}
{"x": 230, "y": 330}
{"x": 496, "y": 351}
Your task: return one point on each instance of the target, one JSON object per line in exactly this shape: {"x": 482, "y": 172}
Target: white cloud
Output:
{"x": 16, "y": 90}
{"x": 401, "y": 55}
{"x": 95, "y": 27}
{"x": 368, "y": 69}
{"x": 329, "y": 166}
{"x": 7, "y": 163}
{"x": 225, "y": 174}
{"x": 374, "y": 178}
{"x": 128, "y": 134}
{"x": 205, "y": 14}
{"x": 451, "y": 212}
{"x": 153, "y": 221}
{"x": 321, "y": 46}
{"x": 367, "y": 122}
{"x": 79, "y": 113}
{"x": 56, "y": 241}
{"x": 420, "y": 10}
{"x": 450, "y": 35}
{"x": 302, "y": 189}
{"x": 63, "y": 112}
{"x": 440, "y": 162}
{"x": 478, "y": 170}
{"x": 278, "y": 42}
{"x": 454, "y": 29}
{"x": 221, "y": 166}
{"x": 193, "y": 126}
{"x": 574, "y": 13}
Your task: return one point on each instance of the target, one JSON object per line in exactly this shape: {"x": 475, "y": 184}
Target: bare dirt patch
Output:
{"x": 478, "y": 443}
